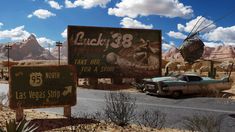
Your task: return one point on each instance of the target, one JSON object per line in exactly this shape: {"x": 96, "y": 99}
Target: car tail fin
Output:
{"x": 225, "y": 78}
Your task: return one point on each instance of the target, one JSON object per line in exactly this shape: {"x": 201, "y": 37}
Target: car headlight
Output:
{"x": 165, "y": 88}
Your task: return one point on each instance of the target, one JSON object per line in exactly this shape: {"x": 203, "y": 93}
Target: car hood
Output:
{"x": 157, "y": 79}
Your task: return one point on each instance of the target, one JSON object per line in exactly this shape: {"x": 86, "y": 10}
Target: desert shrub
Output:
{"x": 203, "y": 123}
{"x": 119, "y": 108}
{"x": 22, "y": 126}
{"x": 153, "y": 118}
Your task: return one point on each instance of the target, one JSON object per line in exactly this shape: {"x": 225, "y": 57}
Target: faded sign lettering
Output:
{"x": 42, "y": 86}
{"x": 114, "y": 52}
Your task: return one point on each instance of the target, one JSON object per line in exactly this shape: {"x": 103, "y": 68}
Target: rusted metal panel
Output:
{"x": 42, "y": 86}
{"x": 192, "y": 49}
{"x": 114, "y": 52}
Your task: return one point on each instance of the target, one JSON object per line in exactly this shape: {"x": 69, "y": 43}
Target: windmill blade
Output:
{"x": 199, "y": 25}
{"x": 193, "y": 27}
{"x": 220, "y": 18}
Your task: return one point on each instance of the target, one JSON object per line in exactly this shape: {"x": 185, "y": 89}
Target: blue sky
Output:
{"x": 48, "y": 19}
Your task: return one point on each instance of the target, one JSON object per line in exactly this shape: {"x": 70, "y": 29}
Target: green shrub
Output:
{"x": 22, "y": 126}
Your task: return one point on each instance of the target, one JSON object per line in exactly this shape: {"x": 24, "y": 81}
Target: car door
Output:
{"x": 193, "y": 84}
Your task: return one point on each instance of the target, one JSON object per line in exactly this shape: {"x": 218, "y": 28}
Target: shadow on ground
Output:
{"x": 49, "y": 124}
{"x": 103, "y": 86}
{"x": 212, "y": 95}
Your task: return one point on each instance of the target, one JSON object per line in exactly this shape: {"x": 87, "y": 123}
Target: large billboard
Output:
{"x": 114, "y": 52}
{"x": 42, "y": 86}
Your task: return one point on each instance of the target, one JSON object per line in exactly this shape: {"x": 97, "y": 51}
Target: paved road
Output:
{"x": 90, "y": 101}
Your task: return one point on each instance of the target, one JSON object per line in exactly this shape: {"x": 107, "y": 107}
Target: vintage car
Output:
{"x": 183, "y": 84}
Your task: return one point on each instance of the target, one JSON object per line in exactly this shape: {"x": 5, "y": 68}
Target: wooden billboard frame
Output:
{"x": 21, "y": 71}
{"x": 94, "y": 30}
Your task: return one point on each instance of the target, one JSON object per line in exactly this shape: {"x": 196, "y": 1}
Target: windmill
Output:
{"x": 193, "y": 47}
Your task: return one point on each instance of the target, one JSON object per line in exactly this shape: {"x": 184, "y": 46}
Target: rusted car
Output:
{"x": 176, "y": 86}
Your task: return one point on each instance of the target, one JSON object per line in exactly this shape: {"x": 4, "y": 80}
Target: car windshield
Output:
{"x": 182, "y": 78}
{"x": 189, "y": 78}
{"x": 194, "y": 78}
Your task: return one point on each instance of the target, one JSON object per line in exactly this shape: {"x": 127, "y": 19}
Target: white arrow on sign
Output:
{"x": 68, "y": 90}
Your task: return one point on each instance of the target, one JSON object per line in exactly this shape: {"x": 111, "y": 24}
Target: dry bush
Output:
{"x": 154, "y": 119}
{"x": 119, "y": 108}
{"x": 203, "y": 123}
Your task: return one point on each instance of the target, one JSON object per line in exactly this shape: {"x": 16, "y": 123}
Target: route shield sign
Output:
{"x": 42, "y": 86}
{"x": 114, "y": 52}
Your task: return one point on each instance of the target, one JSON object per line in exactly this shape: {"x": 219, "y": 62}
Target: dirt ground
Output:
{"x": 53, "y": 122}
{"x": 232, "y": 79}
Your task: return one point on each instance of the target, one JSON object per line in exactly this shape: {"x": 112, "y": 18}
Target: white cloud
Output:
{"x": 69, "y": 4}
{"x": 167, "y": 8}
{"x": 86, "y": 4}
{"x": 225, "y": 35}
{"x": 177, "y": 35}
{"x": 45, "y": 42}
{"x": 42, "y": 14}
{"x": 131, "y": 23}
{"x": 202, "y": 22}
{"x": 64, "y": 33}
{"x": 30, "y": 15}
{"x": 55, "y": 4}
{"x": 167, "y": 46}
{"x": 212, "y": 44}
{"x": 18, "y": 33}
{"x": 1, "y": 24}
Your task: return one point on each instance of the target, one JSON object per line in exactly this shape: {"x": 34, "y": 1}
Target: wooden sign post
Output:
{"x": 42, "y": 87}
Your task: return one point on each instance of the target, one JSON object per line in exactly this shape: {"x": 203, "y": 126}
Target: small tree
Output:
{"x": 119, "y": 108}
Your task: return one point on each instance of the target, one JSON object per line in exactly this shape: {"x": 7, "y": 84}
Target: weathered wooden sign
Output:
{"x": 42, "y": 86}
{"x": 114, "y": 52}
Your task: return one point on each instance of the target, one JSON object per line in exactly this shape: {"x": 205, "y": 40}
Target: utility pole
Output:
{"x": 8, "y": 47}
{"x": 58, "y": 44}
{"x": 49, "y": 47}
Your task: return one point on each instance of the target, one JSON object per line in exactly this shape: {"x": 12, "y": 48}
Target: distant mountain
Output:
{"x": 25, "y": 50}
{"x": 172, "y": 54}
{"x": 222, "y": 52}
